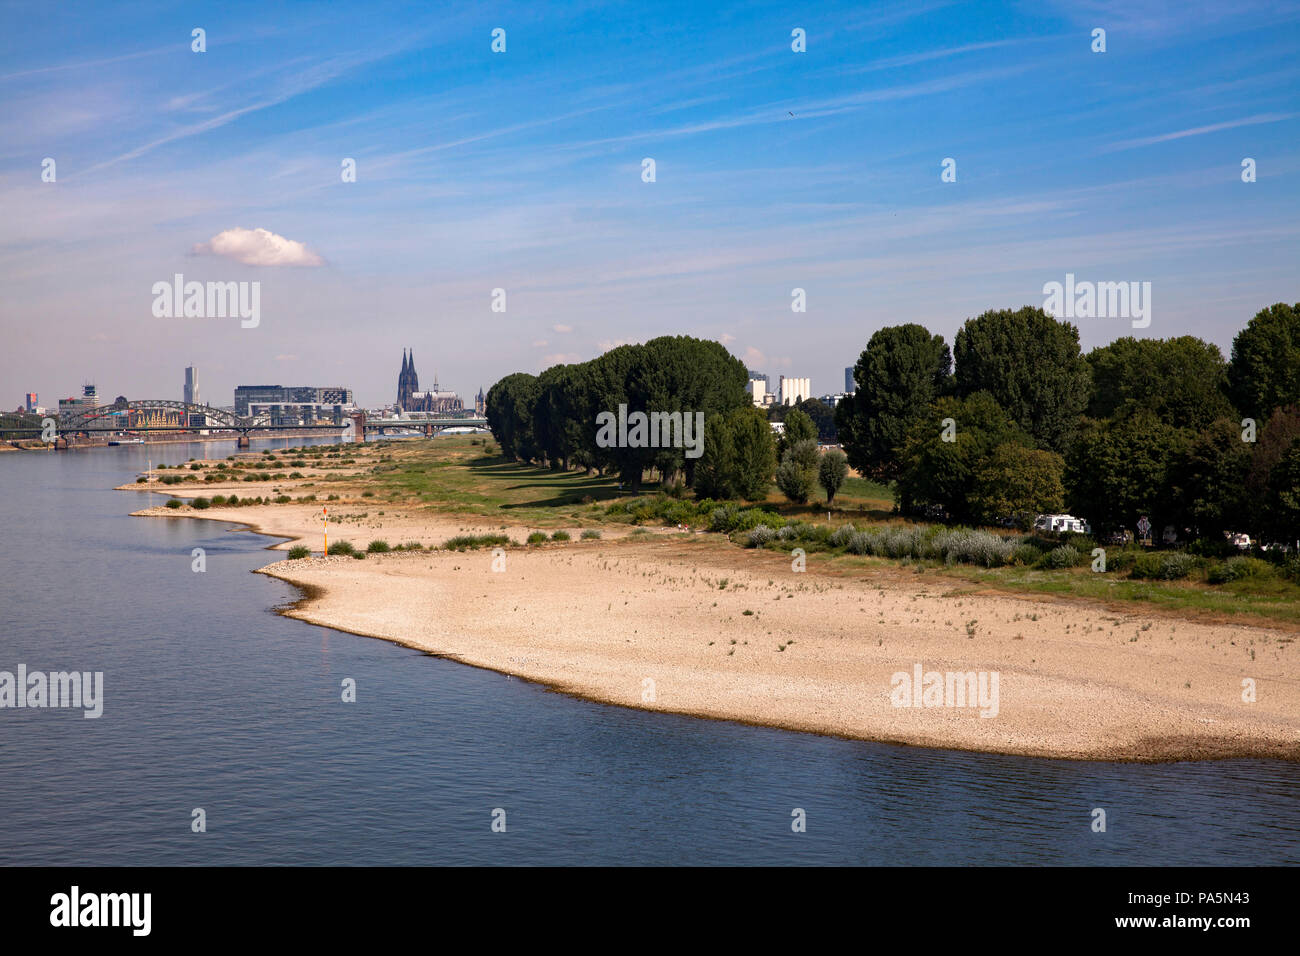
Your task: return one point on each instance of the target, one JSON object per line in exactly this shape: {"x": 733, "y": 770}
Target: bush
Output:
{"x": 367, "y": 494}
{"x": 141, "y": 480}
{"x": 537, "y": 537}
{"x": 299, "y": 551}
{"x": 1026, "y": 555}
{"x": 1237, "y": 568}
{"x": 841, "y": 535}
{"x": 343, "y": 548}
{"x": 201, "y": 503}
{"x": 1065, "y": 556}
{"x": 590, "y": 534}
{"x": 414, "y": 546}
{"x": 173, "y": 503}
{"x": 218, "y": 500}
{"x": 378, "y": 546}
{"x": 1171, "y": 566}
{"x": 468, "y": 542}
{"x": 283, "y": 499}
{"x": 234, "y": 500}
{"x": 560, "y": 536}
{"x": 195, "y": 467}
{"x": 759, "y": 536}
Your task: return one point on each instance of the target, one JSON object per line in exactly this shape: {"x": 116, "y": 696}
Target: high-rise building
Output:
{"x": 295, "y": 404}
{"x": 192, "y": 386}
{"x": 761, "y": 377}
{"x": 794, "y": 390}
{"x": 32, "y": 401}
{"x": 848, "y": 380}
{"x": 757, "y": 389}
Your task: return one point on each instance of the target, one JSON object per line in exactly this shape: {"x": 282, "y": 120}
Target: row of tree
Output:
{"x": 1012, "y": 421}
{"x": 1026, "y": 423}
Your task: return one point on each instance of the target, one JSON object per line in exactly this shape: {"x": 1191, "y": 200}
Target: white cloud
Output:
{"x": 726, "y": 337}
{"x": 561, "y": 329}
{"x": 258, "y": 247}
{"x": 608, "y": 344}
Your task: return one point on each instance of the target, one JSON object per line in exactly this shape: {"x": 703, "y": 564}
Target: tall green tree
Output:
{"x": 796, "y": 476}
{"x": 1181, "y": 380}
{"x": 902, "y": 370}
{"x": 1019, "y": 483}
{"x": 1031, "y": 364}
{"x": 947, "y": 450}
{"x": 831, "y": 472}
{"x": 1265, "y": 369}
{"x": 798, "y": 427}
{"x": 1120, "y": 469}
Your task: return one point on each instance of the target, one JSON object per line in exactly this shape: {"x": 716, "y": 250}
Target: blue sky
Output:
{"x": 522, "y": 171}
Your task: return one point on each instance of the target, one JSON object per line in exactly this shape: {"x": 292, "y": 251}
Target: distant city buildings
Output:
{"x": 32, "y": 401}
{"x": 294, "y": 405}
{"x": 68, "y": 407}
{"x": 411, "y": 399}
{"x": 794, "y": 390}
{"x": 192, "y": 386}
{"x": 480, "y": 403}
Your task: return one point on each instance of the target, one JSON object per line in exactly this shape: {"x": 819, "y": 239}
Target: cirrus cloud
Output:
{"x": 258, "y": 247}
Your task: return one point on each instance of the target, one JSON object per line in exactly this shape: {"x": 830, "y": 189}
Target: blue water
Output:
{"x": 214, "y": 701}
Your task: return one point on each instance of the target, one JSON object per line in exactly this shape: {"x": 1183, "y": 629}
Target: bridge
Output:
{"x": 98, "y": 419}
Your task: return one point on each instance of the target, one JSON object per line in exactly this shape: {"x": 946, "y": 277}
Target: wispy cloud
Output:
{"x": 1198, "y": 131}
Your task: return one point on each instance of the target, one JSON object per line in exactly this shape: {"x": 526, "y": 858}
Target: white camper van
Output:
{"x": 1061, "y": 523}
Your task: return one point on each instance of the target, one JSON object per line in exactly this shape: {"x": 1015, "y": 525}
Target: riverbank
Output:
{"x": 654, "y": 618}
{"x": 689, "y": 624}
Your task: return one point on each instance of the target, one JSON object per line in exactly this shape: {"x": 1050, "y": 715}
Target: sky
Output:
{"x": 522, "y": 170}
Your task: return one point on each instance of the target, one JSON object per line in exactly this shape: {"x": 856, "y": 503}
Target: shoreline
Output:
{"x": 1079, "y": 680}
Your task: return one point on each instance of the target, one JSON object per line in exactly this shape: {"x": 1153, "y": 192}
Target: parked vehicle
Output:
{"x": 1062, "y": 523}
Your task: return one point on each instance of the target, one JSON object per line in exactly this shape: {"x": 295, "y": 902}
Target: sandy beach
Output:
{"x": 692, "y": 625}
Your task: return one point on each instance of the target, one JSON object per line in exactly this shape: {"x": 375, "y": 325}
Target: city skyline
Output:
{"x": 522, "y": 171}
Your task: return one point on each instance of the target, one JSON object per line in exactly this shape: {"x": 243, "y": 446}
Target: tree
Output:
{"x": 798, "y": 427}
{"x": 1120, "y": 469}
{"x": 902, "y": 370}
{"x": 1181, "y": 380}
{"x": 822, "y": 415}
{"x": 1030, "y": 363}
{"x": 1261, "y": 485}
{"x": 832, "y": 471}
{"x": 796, "y": 476}
{"x": 942, "y": 459}
{"x": 1284, "y": 495}
{"x": 755, "y": 452}
{"x": 717, "y": 471}
{"x": 510, "y": 415}
{"x": 1017, "y": 482}
{"x": 1265, "y": 369}
{"x": 1208, "y": 480}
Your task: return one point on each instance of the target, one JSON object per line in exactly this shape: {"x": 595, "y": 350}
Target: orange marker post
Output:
{"x": 325, "y": 517}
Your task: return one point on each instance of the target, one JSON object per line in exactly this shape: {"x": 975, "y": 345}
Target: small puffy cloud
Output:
{"x": 561, "y": 329}
{"x": 726, "y": 338}
{"x": 754, "y": 358}
{"x": 258, "y": 247}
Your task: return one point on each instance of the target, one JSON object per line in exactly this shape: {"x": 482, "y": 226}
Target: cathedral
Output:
{"x": 411, "y": 399}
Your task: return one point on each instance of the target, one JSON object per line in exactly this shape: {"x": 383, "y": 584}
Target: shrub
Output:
{"x": 359, "y": 555}
{"x": 537, "y": 537}
{"x": 1026, "y": 555}
{"x": 141, "y": 480}
{"x": 560, "y": 536}
{"x": 1237, "y": 568}
{"x": 1064, "y": 556}
{"x": 201, "y": 503}
{"x": 414, "y": 546}
{"x": 378, "y": 546}
{"x": 173, "y": 503}
{"x": 195, "y": 467}
{"x": 342, "y": 547}
{"x": 841, "y": 535}
{"x": 234, "y": 500}
{"x": 589, "y": 534}
{"x": 295, "y": 474}
{"x": 1164, "y": 567}
{"x": 759, "y": 536}
{"x": 367, "y": 494}
{"x": 299, "y": 551}
{"x": 283, "y": 499}
{"x": 218, "y": 500}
